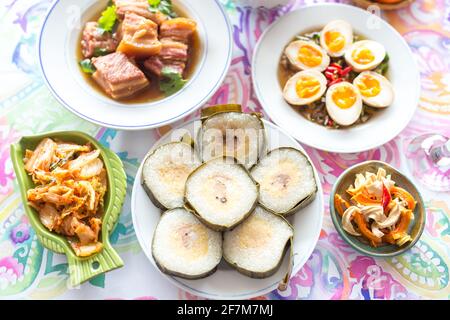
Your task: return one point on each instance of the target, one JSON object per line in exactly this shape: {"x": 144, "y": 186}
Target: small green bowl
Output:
{"x": 81, "y": 269}
{"x": 360, "y": 244}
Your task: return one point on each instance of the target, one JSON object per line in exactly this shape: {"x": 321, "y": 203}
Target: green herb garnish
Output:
{"x": 316, "y": 37}
{"x": 163, "y": 6}
{"x": 98, "y": 52}
{"x": 108, "y": 19}
{"x": 171, "y": 82}
{"x": 384, "y": 65}
{"x": 87, "y": 66}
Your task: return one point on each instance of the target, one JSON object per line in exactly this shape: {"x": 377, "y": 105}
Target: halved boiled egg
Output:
{"x": 306, "y": 55}
{"x": 305, "y": 87}
{"x": 375, "y": 89}
{"x": 365, "y": 55}
{"x": 343, "y": 103}
{"x": 336, "y": 37}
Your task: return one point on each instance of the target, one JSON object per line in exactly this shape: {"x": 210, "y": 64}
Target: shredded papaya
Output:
{"x": 376, "y": 195}
{"x": 389, "y": 238}
{"x": 401, "y": 228}
{"x": 359, "y": 220}
{"x": 404, "y": 195}
{"x": 340, "y": 204}
{"x": 362, "y": 199}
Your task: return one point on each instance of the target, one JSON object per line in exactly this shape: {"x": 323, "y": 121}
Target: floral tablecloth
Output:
{"x": 334, "y": 270}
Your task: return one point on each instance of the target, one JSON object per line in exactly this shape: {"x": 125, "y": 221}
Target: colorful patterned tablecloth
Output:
{"x": 334, "y": 270}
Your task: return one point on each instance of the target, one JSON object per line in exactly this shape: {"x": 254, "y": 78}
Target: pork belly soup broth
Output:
{"x": 137, "y": 51}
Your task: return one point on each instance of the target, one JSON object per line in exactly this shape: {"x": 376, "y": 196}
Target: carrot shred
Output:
{"x": 359, "y": 220}
{"x": 404, "y": 195}
{"x": 362, "y": 199}
{"x": 401, "y": 228}
{"x": 340, "y": 204}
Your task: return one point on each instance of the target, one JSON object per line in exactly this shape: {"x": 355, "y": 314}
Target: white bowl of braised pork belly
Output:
{"x": 134, "y": 64}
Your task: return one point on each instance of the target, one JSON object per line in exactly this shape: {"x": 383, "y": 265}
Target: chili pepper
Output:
{"x": 345, "y": 71}
{"x": 336, "y": 65}
{"x": 386, "y": 198}
{"x": 335, "y": 81}
{"x": 333, "y": 69}
{"x": 330, "y": 75}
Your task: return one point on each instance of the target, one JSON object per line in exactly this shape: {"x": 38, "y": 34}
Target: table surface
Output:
{"x": 334, "y": 270}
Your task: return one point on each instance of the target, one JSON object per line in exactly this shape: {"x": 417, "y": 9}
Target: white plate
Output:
{"x": 227, "y": 283}
{"x": 58, "y": 44}
{"x": 403, "y": 73}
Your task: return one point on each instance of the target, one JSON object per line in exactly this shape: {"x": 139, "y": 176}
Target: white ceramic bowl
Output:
{"x": 227, "y": 283}
{"x": 403, "y": 73}
{"x": 58, "y": 42}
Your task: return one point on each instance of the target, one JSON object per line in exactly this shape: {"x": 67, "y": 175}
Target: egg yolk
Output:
{"x": 363, "y": 55}
{"x": 344, "y": 97}
{"x": 307, "y": 87}
{"x": 334, "y": 40}
{"x": 369, "y": 86}
{"x": 309, "y": 56}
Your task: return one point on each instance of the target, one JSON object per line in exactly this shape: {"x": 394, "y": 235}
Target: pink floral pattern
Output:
{"x": 334, "y": 270}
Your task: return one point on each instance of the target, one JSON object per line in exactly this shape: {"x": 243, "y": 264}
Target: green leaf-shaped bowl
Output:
{"x": 359, "y": 243}
{"x": 81, "y": 269}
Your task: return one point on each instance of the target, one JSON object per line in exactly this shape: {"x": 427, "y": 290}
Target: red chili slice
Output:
{"x": 333, "y": 69}
{"x": 330, "y": 75}
{"x": 386, "y": 197}
{"x": 345, "y": 71}
{"x": 335, "y": 65}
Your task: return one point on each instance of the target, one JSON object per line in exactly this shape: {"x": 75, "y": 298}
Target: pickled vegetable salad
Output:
{"x": 70, "y": 186}
{"x": 381, "y": 212}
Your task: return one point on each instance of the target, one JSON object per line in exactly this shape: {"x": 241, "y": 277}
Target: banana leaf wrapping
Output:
{"x": 213, "y": 112}
{"x": 260, "y": 275}
{"x": 302, "y": 202}
{"x": 157, "y": 202}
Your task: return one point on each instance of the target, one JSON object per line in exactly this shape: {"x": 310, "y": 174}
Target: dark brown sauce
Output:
{"x": 152, "y": 92}
{"x": 284, "y": 73}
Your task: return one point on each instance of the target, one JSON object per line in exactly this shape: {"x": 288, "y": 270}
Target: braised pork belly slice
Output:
{"x": 139, "y": 37}
{"x": 118, "y": 76}
{"x": 178, "y": 29}
{"x": 156, "y": 64}
{"x": 175, "y": 35}
{"x": 174, "y": 54}
{"x": 94, "y": 41}
{"x": 139, "y": 7}
{"x": 173, "y": 50}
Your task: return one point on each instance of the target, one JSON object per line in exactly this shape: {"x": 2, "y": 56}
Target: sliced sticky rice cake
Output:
{"x": 221, "y": 192}
{"x": 256, "y": 247}
{"x": 184, "y": 247}
{"x": 165, "y": 172}
{"x": 233, "y": 134}
{"x": 286, "y": 179}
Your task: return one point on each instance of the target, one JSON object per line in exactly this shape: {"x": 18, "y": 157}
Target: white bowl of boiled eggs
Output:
{"x": 336, "y": 77}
